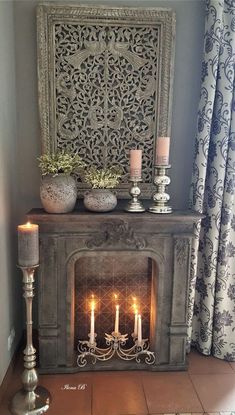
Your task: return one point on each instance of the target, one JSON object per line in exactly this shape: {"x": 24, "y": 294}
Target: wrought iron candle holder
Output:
{"x": 31, "y": 399}
{"x": 116, "y": 346}
{"x": 160, "y": 197}
{"x": 135, "y": 205}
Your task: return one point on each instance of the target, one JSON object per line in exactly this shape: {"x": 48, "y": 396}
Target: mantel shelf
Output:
{"x": 80, "y": 214}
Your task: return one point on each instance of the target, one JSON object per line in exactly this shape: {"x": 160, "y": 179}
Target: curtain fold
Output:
{"x": 212, "y": 290}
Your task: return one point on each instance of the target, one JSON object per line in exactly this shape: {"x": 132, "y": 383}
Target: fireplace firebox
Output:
{"x": 136, "y": 255}
{"x": 125, "y": 280}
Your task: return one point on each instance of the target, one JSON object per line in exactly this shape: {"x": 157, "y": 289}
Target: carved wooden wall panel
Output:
{"x": 105, "y": 80}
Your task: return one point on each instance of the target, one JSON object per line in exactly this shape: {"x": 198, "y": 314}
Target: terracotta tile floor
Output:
{"x": 207, "y": 387}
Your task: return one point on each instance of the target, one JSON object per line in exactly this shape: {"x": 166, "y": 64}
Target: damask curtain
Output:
{"x": 212, "y": 291}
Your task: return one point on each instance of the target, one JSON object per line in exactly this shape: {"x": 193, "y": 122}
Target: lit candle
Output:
{"x": 116, "y": 327}
{"x": 136, "y": 317}
{"x": 139, "y": 330}
{"x": 28, "y": 245}
{"x": 136, "y": 323}
{"x": 162, "y": 151}
{"x": 92, "y": 328}
{"x": 135, "y": 163}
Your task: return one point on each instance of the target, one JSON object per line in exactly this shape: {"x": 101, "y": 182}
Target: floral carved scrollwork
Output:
{"x": 105, "y": 92}
{"x": 105, "y": 83}
{"x": 113, "y": 234}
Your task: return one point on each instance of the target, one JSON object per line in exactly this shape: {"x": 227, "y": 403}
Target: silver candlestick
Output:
{"x": 160, "y": 197}
{"x": 135, "y": 205}
{"x": 31, "y": 399}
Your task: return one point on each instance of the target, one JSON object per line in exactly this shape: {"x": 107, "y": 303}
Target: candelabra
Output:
{"x": 31, "y": 399}
{"x": 116, "y": 345}
{"x": 160, "y": 197}
{"x": 135, "y": 205}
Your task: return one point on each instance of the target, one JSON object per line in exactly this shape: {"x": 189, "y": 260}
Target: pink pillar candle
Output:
{"x": 28, "y": 245}
{"x": 162, "y": 151}
{"x": 135, "y": 163}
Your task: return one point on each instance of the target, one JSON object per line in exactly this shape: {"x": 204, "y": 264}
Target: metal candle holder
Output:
{"x": 115, "y": 343}
{"x": 31, "y": 399}
{"x": 160, "y": 197}
{"x": 135, "y": 205}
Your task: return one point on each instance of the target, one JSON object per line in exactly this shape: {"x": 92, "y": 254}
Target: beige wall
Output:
{"x": 20, "y": 142}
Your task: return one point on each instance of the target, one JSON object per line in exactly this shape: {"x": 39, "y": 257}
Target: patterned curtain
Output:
{"x": 212, "y": 293}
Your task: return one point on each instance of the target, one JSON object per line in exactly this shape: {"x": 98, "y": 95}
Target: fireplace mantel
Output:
{"x": 64, "y": 238}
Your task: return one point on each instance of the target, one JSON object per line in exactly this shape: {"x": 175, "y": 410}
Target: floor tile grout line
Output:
{"x": 231, "y": 366}
{"x": 92, "y": 391}
{"x": 204, "y": 410}
{"x": 142, "y": 384}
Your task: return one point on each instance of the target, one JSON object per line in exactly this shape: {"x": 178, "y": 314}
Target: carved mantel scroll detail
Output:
{"x": 116, "y": 233}
{"x": 181, "y": 250}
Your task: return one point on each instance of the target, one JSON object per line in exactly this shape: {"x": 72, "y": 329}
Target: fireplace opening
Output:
{"x": 109, "y": 279}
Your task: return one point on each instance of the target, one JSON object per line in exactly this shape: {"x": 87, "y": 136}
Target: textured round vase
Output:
{"x": 100, "y": 200}
{"x": 58, "y": 194}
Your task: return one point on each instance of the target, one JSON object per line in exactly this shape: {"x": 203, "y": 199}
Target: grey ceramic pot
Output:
{"x": 100, "y": 200}
{"x": 58, "y": 194}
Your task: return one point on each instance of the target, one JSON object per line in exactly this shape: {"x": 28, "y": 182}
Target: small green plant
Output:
{"x": 60, "y": 162}
{"x": 102, "y": 178}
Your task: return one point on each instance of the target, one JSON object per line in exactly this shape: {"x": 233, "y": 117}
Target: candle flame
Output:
{"x": 135, "y": 308}
{"x": 92, "y": 303}
{"x": 134, "y": 305}
{"x": 28, "y": 224}
{"x": 115, "y": 296}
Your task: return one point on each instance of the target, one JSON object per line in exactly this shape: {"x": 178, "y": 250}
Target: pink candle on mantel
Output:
{"x": 162, "y": 150}
{"x": 135, "y": 163}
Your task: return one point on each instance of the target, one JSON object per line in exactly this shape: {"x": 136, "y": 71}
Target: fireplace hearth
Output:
{"x": 135, "y": 255}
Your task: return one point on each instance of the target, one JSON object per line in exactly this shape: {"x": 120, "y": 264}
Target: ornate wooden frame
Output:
{"x": 104, "y": 116}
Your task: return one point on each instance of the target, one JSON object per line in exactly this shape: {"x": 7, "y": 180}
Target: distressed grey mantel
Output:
{"x": 65, "y": 238}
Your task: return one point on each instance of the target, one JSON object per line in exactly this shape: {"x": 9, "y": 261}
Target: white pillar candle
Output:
{"x": 28, "y": 245}
{"x": 139, "y": 329}
{"x": 162, "y": 151}
{"x": 135, "y": 163}
{"x": 136, "y": 324}
{"x": 116, "y": 327}
{"x": 92, "y": 328}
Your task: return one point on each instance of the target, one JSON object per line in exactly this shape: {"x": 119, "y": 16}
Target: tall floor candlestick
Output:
{"x": 31, "y": 399}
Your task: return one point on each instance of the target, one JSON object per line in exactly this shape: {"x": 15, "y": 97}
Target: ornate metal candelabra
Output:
{"x": 160, "y": 197}
{"x": 116, "y": 345}
{"x": 135, "y": 205}
{"x": 31, "y": 399}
